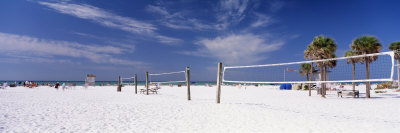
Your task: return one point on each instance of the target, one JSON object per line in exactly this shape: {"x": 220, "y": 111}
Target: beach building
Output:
{"x": 317, "y": 75}
{"x": 90, "y": 79}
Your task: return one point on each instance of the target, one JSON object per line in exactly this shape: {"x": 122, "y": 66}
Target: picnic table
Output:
{"x": 348, "y": 93}
{"x": 153, "y": 90}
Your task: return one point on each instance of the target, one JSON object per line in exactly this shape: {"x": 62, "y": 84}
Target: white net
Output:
{"x": 380, "y": 70}
{"x": 170, "y": 77}
{"x": 128, "y": 81}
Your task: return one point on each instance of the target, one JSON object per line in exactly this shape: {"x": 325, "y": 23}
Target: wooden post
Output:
{"x": 147, "y": 83}
{"x": 398, "y": 75}
{"x": 219, "y": 82}
{"x": 135, "y": 84}
{"x": 188, "y": 82}
{"x": 119, "y": 84}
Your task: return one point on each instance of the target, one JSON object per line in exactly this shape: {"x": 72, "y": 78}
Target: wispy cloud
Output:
{"x": 231, "y": 12}
{"x": 168, "y": 40}
{"x": 178, "y": 20}
{"x": 125, "y": 43}
{"x": 46, "y": 50}
{"x": 236, "y": 48}
{"x": 102, "y": 17}
{"x": 106, "y": 18}
{"x": 227, "y": 13}
{"x": 261, "y": 21}
{"x": 276, "y": 5}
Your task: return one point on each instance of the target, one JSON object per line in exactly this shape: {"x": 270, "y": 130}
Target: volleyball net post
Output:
{"x": 147, "y": 83}
{"x": 119, "y": 84}
{"x": 188, "y": 83}
{"x": 136, "y": 83}
{"x": 219, "y": 81}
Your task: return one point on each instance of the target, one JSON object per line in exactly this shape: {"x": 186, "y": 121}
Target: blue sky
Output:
{"x": 65, "y": 40}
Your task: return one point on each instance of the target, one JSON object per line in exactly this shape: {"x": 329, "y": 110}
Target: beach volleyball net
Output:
{"x": 168, "y": 78}
{"x": 341, "y": 71}
{"x": 128, "y": 81}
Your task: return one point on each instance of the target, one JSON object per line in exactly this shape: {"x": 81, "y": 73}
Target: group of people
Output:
{"x": 64, "y": 85}
{"x": 4, "y": 85}
{"x": 32, "y": 84}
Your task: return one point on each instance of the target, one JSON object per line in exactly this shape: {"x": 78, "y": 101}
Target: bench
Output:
{"x": 153, "y": 90}
{"x": 348, "y": 93}
{"x": 142, "y": 91}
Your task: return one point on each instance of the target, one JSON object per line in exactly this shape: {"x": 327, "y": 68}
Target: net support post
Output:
{"x": 188, "y": 82}
{"x": 219, "y": 78}
{"x": 147, "y": 83}
{"x": 119, "y": 84}
{"x": 135, "y": 83}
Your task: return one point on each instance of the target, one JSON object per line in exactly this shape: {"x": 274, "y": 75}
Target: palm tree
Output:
{"x": 306, "y": 70}
{"x": 322, "y": 48}
{"x": 353, "y": 61}
{"x": 367, "y": 45}
{"x": 395, "y": 46}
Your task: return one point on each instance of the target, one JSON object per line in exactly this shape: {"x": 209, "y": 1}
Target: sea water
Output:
{"x": 105, "y": 83}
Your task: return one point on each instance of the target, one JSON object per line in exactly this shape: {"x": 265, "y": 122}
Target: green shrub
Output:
{"x": 305, "y": 87}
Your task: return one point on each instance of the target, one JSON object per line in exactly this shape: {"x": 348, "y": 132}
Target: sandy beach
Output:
{"x": 254, "y": 109}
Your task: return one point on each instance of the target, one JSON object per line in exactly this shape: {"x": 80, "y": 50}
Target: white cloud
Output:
{"x": 168, "y": 40}
{"x": 236, "y": 49}
{"x": 105, "y": 18}
{"x": 262, "y": 20}
{"x": 276, "y": 5}
{"x": 22, "y": 46}
{"x": 228, "y": 13}
{"x": 178, "y": 20}
{"x": 101, "y": 16}
{"x": 158, "y": 9}
{"x": 232, "y": 11}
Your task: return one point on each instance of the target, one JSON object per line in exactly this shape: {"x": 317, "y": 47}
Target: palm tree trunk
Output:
{"x": 398, "y": 75}
{"x": 320, "y": 75}
{"x": 311, "y": 74}
{"x": 368, "y": 86}
{"x": 309, "y": 85}
{"x": 324, "y": 80}
{"x": 308, "y": 79}
{"x": 354, "y": 76}
{"x": 323, "y": 84}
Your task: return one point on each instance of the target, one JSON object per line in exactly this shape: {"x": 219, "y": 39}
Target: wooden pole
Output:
{"x": 135, "y": 84}
{"x": 219, "y": 78}
{"x": 147, "y": 83}
{"x": 188, "y": 82}
{"x": 311, "y": 76}
{"x": 398, "y": 75}
{"x": 119, "y": 84}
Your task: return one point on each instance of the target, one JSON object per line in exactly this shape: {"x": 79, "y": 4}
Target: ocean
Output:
{"x": 98, "y": 83}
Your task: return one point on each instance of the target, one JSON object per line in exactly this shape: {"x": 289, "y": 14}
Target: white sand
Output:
{"x": 262, "y": 109}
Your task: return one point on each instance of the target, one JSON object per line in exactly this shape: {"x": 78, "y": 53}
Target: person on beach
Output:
{"x": 85, "y": 86}
{"x": 63, "y": 86}
{"x": 4, "y": 85}
{"x": 57, "y": 84}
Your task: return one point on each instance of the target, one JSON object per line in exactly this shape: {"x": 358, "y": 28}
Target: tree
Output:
{"x": 306, "y": 70}
{"x": 395, "y": 46}
{"x": 353, "y": 61}
{"x": 367, "y": 45}
{"x": 322, "y": 48}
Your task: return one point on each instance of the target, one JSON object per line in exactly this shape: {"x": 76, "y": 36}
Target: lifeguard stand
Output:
{"x": 90, "y": 79}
